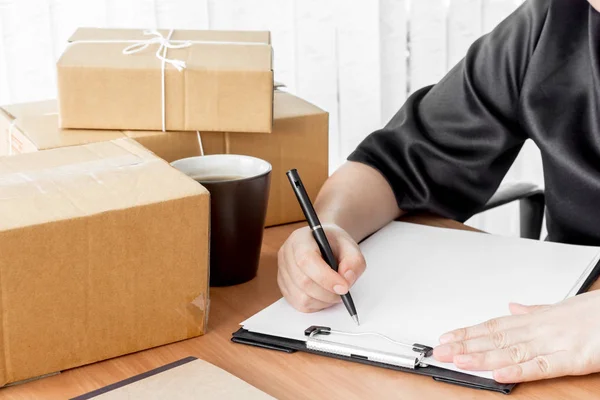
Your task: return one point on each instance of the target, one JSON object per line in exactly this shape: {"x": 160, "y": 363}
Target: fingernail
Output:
{"x": 339, "y": 289}
{"x": 350, "y": 277}
{"x": 446, "y": 338}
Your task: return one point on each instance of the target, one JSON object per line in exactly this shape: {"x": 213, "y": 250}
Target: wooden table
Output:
{"x": 284, "y": 376}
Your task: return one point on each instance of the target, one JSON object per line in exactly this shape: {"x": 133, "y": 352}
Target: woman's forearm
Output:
{"x": 358, "y": 199}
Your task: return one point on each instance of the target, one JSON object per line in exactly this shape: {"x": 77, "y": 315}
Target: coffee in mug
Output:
{"x": 239, "y": 192}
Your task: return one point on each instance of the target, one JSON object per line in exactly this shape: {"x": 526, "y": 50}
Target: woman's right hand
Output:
{"x": 306, "y": 281}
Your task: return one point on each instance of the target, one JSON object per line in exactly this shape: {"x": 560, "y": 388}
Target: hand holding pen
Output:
{"x": 325, "y": 249}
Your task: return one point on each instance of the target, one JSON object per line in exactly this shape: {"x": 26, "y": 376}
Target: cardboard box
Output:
{"x": 299, "y": 140}
{"x": 29, "y": 127}
{"x": 104, "y": 252}
{"x": 225, "y": 82}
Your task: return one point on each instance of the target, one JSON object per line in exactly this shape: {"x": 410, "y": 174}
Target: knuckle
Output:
{"x": 492, "y": 325}
{"x": 543, "y": 365}
{"x": 499, "y": 339}
{"x": 462, "y": 347}
{"x": 518, "y": 354}
{"x": 323, "y": 282}
{"x": 517, "y": 372}
{"x": 461, "y": 334}
{"x": 303, "y": 260}
{"x": 304, "y": 301}
{"x": 359, "y": 261}
{"x": 304, "y": 283}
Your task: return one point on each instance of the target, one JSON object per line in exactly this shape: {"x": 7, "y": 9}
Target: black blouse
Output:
{"x": 536, "y": 76}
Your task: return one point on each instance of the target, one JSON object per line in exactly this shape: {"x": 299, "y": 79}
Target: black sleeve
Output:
{"x": 448, "y": 148}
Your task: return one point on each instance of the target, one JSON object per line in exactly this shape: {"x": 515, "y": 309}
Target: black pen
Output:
{"x": 318, "y": 234}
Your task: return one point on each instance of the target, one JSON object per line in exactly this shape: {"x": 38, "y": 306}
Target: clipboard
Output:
{"x": 549, "y": 273}
{"x": 341, "y": 352}
{"x": 411, "y": 362}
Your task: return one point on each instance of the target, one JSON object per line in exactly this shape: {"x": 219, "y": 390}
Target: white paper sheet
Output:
{"x": 423, "y": 281}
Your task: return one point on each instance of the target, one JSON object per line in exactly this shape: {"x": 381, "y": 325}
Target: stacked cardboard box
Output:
{"x": 104, "y": 246}
{"x": 104, "y": 252}
{"x": 299, "y": 139}
{"x": 195, "y": 81}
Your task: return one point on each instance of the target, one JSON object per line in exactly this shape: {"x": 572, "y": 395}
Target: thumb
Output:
{"x": 352, "y": 262}
{"x": 520, "y": 309}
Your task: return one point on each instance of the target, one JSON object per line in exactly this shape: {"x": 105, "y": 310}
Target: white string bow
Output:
{"x": 165, "y": 43}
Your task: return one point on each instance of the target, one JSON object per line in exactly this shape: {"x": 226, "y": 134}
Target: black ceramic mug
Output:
{"x": 239, "y": 192}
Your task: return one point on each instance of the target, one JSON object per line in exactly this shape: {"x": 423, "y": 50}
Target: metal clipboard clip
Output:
{"x": 316, "y": 343}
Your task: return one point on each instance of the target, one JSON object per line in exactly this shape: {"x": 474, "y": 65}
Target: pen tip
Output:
{"x": 355, "y": 318}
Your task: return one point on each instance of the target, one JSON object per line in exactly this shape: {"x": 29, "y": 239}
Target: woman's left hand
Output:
{"x": 535, "y": 342}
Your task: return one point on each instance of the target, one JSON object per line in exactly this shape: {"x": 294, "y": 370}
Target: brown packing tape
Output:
{"x": 199, "y": 302}
{"x": 13, "y": 139}
{"x": 18, "y": 143}
{"x": 44, "y": 180}
{"x": 197, "y": 310}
